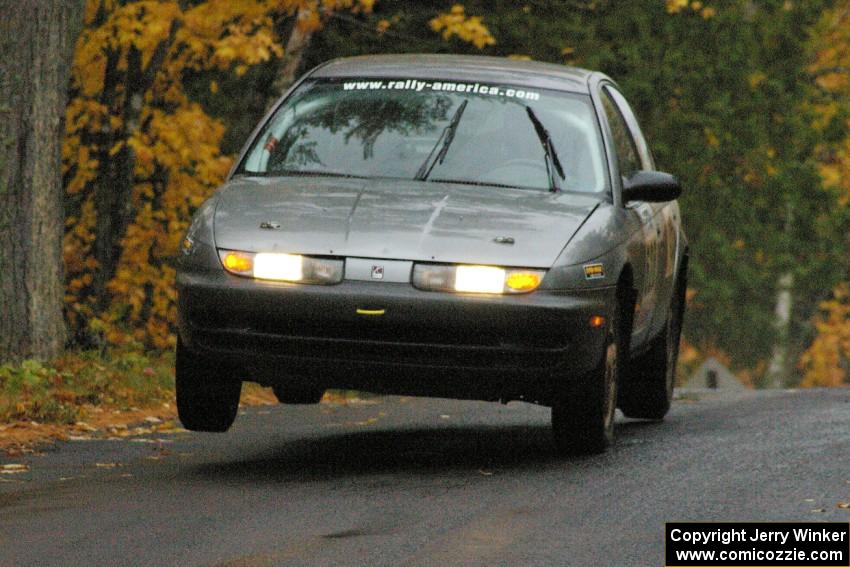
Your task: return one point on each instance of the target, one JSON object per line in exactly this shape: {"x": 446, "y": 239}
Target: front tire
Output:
{"x": 207, "y": 395}
{"x": 583, "y": 423}
{"x": 647, "y": 391}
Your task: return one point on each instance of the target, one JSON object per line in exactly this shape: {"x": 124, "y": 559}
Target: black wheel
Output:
{"x": 296, "y": 395}
{"x": 207, "y": 395}
{"x": 647, "y": 388}
{"x": 583, "y": 422}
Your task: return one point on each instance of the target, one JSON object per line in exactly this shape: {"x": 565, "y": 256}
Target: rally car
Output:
{"x": 449, "y": 226}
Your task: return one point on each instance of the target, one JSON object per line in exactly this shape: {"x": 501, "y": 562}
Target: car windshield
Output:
{"x": 470, "y": 133}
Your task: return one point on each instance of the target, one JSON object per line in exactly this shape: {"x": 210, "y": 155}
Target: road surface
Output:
{"x": 407, "y": 481}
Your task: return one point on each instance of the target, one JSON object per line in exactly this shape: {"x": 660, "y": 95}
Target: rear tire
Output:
{"x": 207, "y": 395}
{"x": 583, "y": 423}
{"x": 290, "y": 395}
{"x": 647, "y": 391}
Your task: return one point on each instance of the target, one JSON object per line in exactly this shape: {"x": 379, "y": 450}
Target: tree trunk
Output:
{"x": 37, "y": 40}
{"x": 296, "y": 46}
{"x": 116, "y": 177}
{"x": 778, "y": 371}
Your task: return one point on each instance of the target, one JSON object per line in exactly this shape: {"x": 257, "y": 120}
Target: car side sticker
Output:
{"x": 594, "y": 271}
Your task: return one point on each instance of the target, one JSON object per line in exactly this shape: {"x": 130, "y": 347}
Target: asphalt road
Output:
{"x": 406, "y": 481}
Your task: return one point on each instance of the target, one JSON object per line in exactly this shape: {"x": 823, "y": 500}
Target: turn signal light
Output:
{"x": 522, "y": 281}
{"x": 239, "y": 263}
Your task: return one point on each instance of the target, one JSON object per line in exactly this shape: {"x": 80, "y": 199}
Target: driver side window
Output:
{"x": 627, "y": 154}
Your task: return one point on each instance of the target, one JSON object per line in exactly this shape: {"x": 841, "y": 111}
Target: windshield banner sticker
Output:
{"x": 454, "y": 87}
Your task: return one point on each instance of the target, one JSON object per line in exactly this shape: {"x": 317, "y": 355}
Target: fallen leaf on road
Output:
{"x": 170, "y": 432}
{"x": 107, "y": 465}
{"x": 79, "y": 438}
{"x": 844, "y": 505}
{"x": 13, "y": 468}
{"x": 170, "y": 427}
{"x": 153, "y": 419}
{"x": 445, "y": 416}
{"x": 485, "y": 473}
{"x": 818, "y": 510}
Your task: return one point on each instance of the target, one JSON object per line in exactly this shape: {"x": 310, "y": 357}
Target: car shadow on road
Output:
{"x": 452, "y": 449}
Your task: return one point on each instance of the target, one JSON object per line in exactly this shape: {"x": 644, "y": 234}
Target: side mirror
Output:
{"x": 651, "y": 186}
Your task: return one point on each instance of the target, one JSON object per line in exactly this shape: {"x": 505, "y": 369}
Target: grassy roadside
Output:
{"x": 91, "y": 394}
{"x": 66, "y": 391}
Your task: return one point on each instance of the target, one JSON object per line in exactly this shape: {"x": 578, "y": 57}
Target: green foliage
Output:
{"x": 63, "y": 392}
{"x": 721, "y": 90}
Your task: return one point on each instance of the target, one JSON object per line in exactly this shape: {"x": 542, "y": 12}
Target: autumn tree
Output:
{"x": 141, "y": 152}
{"x": 140, "y": 155}
{"x": 826, "y": 359}
{"x": 36, "y": 47}
{"x": 310, "y": 16}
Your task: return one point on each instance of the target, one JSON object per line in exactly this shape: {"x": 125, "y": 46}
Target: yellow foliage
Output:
{"x": 173, "y": 145}
{"x": 680, "y": 6}
{"x": 822, "y": 360}
{"x": 177, "y": 160}
{"x": 456, "y": 23}
{"x": 676, "y": 6}
{"x": 830, "y": 67}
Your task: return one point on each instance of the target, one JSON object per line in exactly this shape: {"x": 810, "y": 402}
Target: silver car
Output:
{"x": 449, "y": 226}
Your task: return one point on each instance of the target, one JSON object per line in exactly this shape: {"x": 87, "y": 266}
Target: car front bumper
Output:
{"x": 423, "y": 343}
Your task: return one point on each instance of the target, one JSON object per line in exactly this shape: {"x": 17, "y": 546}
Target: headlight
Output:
{"x": 475, "y": 279}
{"x": 282, "y": 267}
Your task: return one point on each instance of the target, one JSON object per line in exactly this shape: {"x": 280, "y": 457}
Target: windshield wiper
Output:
{"x": 312, "y": 173}
{"x": 481, "y": 183}
{"x": 447, "y": 136}
{"x": 553, "y": 164}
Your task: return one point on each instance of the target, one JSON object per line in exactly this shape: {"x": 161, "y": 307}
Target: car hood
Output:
{"x": 405, "y": 220}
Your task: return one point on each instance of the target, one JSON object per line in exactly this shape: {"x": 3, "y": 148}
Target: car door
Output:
{"x": 660, "y": 232}
{"x": 633, "y": 156}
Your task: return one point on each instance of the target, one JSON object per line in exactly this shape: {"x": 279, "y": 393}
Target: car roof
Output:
{"x": 465, "y": 68}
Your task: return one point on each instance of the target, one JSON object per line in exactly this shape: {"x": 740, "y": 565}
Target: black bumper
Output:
{"x": 425, "y": 343}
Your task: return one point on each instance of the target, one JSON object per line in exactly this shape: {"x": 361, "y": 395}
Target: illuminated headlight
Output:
{"x": 475, "y": 279}
{"x": 282, "y": 267}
